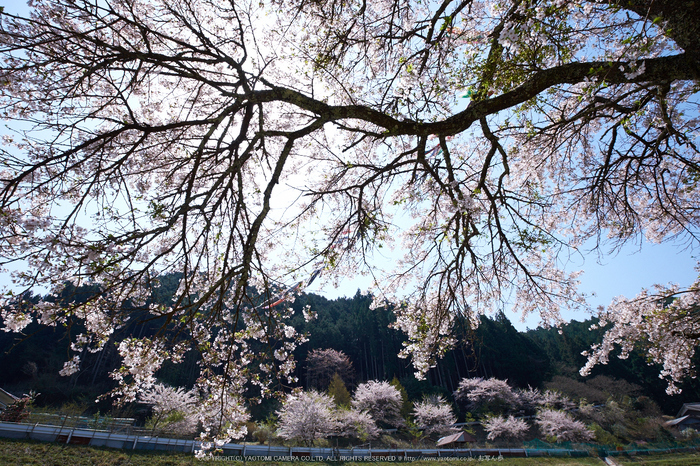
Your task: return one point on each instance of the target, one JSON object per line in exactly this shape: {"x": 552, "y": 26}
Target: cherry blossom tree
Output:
{"x": 556, "y": 400}
{"x": 532, "y": 399}
{"x": 307, "y": 417}
{"x": 254, "y": 146}
{"x": 220, "y": 414}
{"x": 501, "y": 426}
{"x": 488, "y": 394}
{"x": 529, "y": 399}
{"x": 382, "y": 400}
{"x": 434, "y": 415}
{"x": 357, "y": 424}
{"x": 173, "y": 408}
{"x": 560, "y": 425}
{"x": 665, "y": 320}
{"x": 322, "y": 364}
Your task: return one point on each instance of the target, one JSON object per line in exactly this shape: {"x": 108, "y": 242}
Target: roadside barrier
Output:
{"x": 104, "y": 438}
{"x": 137, "y": 441}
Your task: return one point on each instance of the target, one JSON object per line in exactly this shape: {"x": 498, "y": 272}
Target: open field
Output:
{"x": 680, "y": 459}
{"x": 15, "y": 452}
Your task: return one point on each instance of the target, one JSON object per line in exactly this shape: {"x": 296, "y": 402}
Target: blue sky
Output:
{"x": 634, "y": 268}
{"x": 625, "y": 273}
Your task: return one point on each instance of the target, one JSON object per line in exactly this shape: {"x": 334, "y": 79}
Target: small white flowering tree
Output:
{"x": 556, "y": 400}
{"x": 532, "y": 399}
{"x": 501, "y": 426}
{"x": 221, "y": 412}
{"x": 529, "y": 399}
{"x": 435, "y": 416}
{"x": 562, "y": 426}
{"x": 381, "y": 400}
{"x": 490, "y": 394}
{"x": 307, "y": 416}
{"x": 173, "y": 408}
{"x": 357, "y": 424}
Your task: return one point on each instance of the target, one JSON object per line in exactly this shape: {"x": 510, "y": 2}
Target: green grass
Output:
{"x": 28, "y": 452}
{"x": 674, "y": 459}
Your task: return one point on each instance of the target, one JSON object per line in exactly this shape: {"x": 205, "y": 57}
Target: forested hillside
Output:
{"x": 541, "y": 358}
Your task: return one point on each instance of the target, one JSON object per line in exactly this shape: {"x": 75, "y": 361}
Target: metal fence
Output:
{"x": 128, "y": 438}
{"x": 79, "y": 435}
{"x": 112, "y": 424}
{"x": 633, "y": 449}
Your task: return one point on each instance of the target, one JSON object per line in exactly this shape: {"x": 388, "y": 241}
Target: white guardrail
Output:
{"x": 100, "y": 438}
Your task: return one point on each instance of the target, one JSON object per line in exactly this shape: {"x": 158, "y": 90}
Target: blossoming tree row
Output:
{"x": 237, "y": 142}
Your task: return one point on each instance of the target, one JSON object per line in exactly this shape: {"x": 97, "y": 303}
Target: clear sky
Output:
{"x": 631, "y": 270}
{"x": 625, "y": 273}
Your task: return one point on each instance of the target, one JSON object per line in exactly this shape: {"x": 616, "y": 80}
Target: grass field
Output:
{"x": 26, "y": 452}
{"x": 681, "y": 459}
